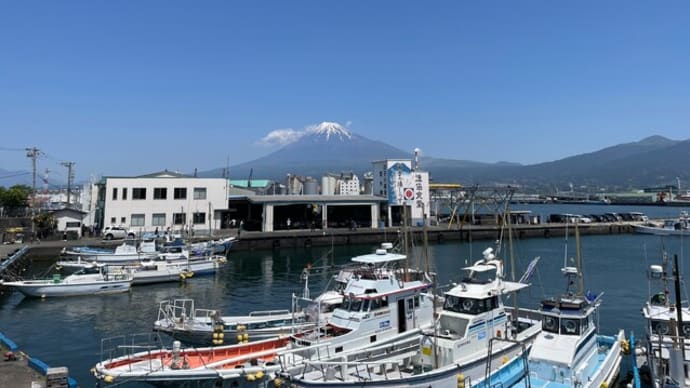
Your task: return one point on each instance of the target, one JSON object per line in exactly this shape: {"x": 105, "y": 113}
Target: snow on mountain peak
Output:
{"x": 329, "y": 129}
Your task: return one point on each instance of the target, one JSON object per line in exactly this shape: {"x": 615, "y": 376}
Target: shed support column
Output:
{"x": 268, "y": 218}
{"x": 324, "y": 216}
{"x": 390, "y": 216}
{"x": 374, "y": 216}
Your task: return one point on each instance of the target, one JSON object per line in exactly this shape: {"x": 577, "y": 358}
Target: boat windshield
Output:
{"x": 662, "y": 327}
{"x": 469, "y": 305}
{"x": 550, "y": 324}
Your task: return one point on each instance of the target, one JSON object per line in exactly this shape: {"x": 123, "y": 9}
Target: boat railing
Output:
{"x": 382, "y": 369}
{"x": 131, "y": 348}
{"x": 177, "y": 311}
{"x": 268, "y": 313}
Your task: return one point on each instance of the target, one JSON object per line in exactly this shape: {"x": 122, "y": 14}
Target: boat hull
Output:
{"x": 41, "y": 290}
{"x": 660, "y": 231}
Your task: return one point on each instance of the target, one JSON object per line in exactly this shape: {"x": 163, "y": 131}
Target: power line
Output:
{"x": 14, "y": 175}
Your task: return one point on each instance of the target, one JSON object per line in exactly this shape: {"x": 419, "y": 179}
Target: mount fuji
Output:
{"x": 322, "y": 148}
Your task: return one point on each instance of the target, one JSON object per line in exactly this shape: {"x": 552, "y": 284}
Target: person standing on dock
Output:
{"x": 288, "y": 223}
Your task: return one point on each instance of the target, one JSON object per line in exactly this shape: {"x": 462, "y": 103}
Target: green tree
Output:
{"x": 15, "y": 197}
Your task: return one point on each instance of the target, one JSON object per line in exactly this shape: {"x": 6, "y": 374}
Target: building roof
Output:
{"x": 258, "y": 183}
{"x": 313, "y": 198}
{"x": 68, "y": 210}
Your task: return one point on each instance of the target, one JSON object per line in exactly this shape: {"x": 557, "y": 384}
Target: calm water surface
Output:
{"x": 67, "y": 331}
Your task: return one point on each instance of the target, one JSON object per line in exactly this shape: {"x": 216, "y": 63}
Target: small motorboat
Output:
{"x": 87, "y": 281}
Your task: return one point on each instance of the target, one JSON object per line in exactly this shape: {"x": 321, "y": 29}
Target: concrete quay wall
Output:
{"x": 48, "y": 250}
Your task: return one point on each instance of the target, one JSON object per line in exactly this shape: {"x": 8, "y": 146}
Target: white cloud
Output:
{"x": 280, "y": 137}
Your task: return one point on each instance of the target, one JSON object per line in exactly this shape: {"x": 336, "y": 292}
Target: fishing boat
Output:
{"x": 158, "y": 271}
{"x": 673, "y": 227}
{"x": 181, "y": 320}
{"x": 569, "y": 352}
{"x": 121, "y": 254}
{"x": 87, "y": 281}
{"x": 474, "y": 343}
{"x": 668, "y": 330}
{"x": 381, "y": 305}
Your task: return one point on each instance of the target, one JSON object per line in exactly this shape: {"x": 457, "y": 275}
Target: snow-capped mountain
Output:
{"x": 329, "y": 129}
{"x": 321, "y": 148}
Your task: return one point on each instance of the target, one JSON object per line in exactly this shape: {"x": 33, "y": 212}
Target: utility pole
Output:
{"x": 33, "y": 153}
{"x": 70, "y": 178}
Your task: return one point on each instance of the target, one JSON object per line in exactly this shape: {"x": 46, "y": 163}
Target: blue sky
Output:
{"x": 130, "y": 87}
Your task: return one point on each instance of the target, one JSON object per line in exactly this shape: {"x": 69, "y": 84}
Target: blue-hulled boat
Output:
{"x": 569, "y": 351}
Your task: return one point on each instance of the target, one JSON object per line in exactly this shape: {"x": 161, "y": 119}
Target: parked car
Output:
{"x": 595, "y": 217}
{"x": 117, "y": 232}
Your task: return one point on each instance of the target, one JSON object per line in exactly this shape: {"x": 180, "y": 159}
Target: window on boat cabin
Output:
{"x": 570, "y": 326}
{"x": 139, "y": 193}
{"x": 180, "y": 193}
{"x": 379, "y": 303}
{"x": 469, "y": 305}
{"x": 452, "y": 326}
{"x": 199, "y": 193}
{"x": 158, "y": 219}
{"x": 124, "y": 193}
{"x": 160, "y": 193}
{"x": 199, "y": 218}
{"x": 138, "y": 219}
{"x": 179, "y": 218}
{"x": 114, "y": 193}
{"x": 550, "y": 324}
{"x": 661, "y": 327}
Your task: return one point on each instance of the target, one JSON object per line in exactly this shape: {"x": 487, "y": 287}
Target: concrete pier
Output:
{"x": 20, "y": 370}
{"x": 50, "y": 250}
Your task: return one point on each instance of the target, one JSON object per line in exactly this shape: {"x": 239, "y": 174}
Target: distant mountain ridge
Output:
{"x": 330, "y": 147}
{"x": 652, "y": 161}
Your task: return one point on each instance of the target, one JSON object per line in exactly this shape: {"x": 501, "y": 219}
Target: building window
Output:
{"x": 199, "y": 193}
{"x": 180, "y": 193}
{"x": 160, "y": 193}
{"x": 158, "y": 219}
{"x": 123, "y": 220}
{"x": 73, "y": 224}
{"x": 124, "y": 193}
{"x": 113, "y": 220}
{"x": 114, "y": 193}
{"x": 138, "y": 220}
{"x": 139, "y": 193}
{"x": 199, "y": 218}
{"x": 179, "y": 218}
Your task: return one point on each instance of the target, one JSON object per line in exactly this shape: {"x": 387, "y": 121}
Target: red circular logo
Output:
{"x": 408, "y": 194}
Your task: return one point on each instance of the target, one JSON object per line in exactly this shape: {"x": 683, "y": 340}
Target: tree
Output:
{"x": 16, "y": 197}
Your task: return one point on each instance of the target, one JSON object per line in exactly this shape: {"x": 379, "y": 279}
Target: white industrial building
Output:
{"x": 402, "y": 185}
{"x": 163, "y": 200}
{"x": 348, "y": 184}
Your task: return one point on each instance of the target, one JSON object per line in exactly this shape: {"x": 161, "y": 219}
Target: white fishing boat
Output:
{"x": 158, "y": 271}
{"x": 569, "y": 351}
{"x": 668, "y": 331}
{"x": 123, "y": 253}
{"x": 88, "y": 281}
{"x": 381, "y": 306}
{"x": 474, "y": 343}
{"x": 673, "y": 227}
{"x": 181, "y": 320}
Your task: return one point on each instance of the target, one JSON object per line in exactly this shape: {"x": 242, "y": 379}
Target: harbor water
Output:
{"x": 68, "y": 331}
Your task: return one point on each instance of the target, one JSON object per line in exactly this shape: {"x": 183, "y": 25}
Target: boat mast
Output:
{"x": 580, "y": 278}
